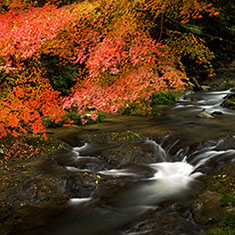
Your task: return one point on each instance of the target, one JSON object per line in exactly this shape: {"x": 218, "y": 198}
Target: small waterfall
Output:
{"x": 173, "y": 178}
{"x": 174, "y": 173}
{"x": 114, "y": 185}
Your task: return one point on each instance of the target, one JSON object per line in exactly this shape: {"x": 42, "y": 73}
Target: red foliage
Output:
{"x": 108, "y": 39}
{"x": 30, "y": 100}
{"x": 138, "y": 83}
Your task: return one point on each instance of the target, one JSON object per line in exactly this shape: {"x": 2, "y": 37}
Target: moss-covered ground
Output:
{"x": 214, "y": 208}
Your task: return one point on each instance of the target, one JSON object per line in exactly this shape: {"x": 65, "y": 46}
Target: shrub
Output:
{"x": 165, "y": 97}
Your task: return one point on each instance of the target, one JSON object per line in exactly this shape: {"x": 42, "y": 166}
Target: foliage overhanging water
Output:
{"x": 108, "y": 191}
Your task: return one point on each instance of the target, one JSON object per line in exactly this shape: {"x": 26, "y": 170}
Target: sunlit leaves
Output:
{"x": 31, "y": 100}
{"x": 120, "y": 61}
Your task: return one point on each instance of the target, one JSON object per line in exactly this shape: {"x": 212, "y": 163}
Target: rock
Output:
{"x": 205, "y": 88}
{"x": 216, "y": 113}
{"x": 205, "y": 115}
{"x": 230, "y": 96}
{"x": 133, "y": 153}
{"x": 228, "y": 103}
{"x": 227, "y": 143}
{"x": 214, "y": 207}
{"x": 80, "y": 186}
{"x": 206, "y": 207}
{"x": 166, "y": 220}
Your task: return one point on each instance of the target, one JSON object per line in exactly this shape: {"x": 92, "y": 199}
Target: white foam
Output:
{"x": 174, "y": 174}
{"x": 75, "y": 201}
{"x": 117, "y": 172}
{"x": 166, "y": 169}
{"x": 211, "y": 102}
{"x": 77, "y": 156}
{"x": 78, "y": 149}
{"x": 171, "y": 179}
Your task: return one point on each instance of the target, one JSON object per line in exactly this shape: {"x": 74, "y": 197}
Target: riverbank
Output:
{"x": 17, "y": 157}
{"x": 214, "y": 207}
{"x": 31, "y": 177}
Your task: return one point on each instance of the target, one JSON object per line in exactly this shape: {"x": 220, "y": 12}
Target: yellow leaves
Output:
{"x": 190, "y": 45}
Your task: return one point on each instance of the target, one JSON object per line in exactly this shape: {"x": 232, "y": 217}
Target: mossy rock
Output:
{"x": 206, "y": 207}
{"x": 215, "y": 207}
{"x": 228, "y": 103}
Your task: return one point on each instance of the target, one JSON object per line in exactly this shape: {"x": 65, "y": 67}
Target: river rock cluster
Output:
{"x": 229, "y": 100}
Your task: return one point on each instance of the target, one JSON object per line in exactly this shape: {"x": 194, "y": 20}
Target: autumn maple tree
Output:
{"x": 121, "y": 52}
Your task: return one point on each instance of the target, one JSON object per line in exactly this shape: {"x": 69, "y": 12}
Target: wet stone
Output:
{"x": 230, "y": 96}
{"x": 207, "y": 207}
{"x": 217, "y": 113}
{"x": 205, "y": 88}
{"x": 131, "y": 153}
{"x": 227, "y": 143}
{"x": 228, "y": 103}
{"x": 79, "y": 187}
{"x": 232, "y": 89}
{"x": 166, "y": 220}
{"x": 205, "y": 115}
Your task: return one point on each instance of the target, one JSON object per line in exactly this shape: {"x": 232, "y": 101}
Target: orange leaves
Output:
{"x": 216, "y": 13}
{"x": 13, "y": 120}
{"x": 143, "y": 50}
{"x": 31, "y": 101}
{"x": 113, "y": 43}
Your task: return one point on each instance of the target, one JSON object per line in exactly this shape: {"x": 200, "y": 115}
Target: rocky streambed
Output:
{"x": 172, "y": 174}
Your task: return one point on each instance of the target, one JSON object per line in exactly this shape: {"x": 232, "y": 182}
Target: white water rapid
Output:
{"x": 173, "y": 176}
{"x": 158, "y": 176}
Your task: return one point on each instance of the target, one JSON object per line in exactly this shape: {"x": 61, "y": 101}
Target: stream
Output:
{"x": 131, "y": 181}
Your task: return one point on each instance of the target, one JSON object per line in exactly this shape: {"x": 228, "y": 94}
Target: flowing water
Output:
{"x": 126, "y": 187}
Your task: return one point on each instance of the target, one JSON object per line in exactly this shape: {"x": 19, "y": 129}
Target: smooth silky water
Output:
{"x": 166, "y": 179}
{"x": 175, "y": 174}
{"x": 173, "y": 179}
